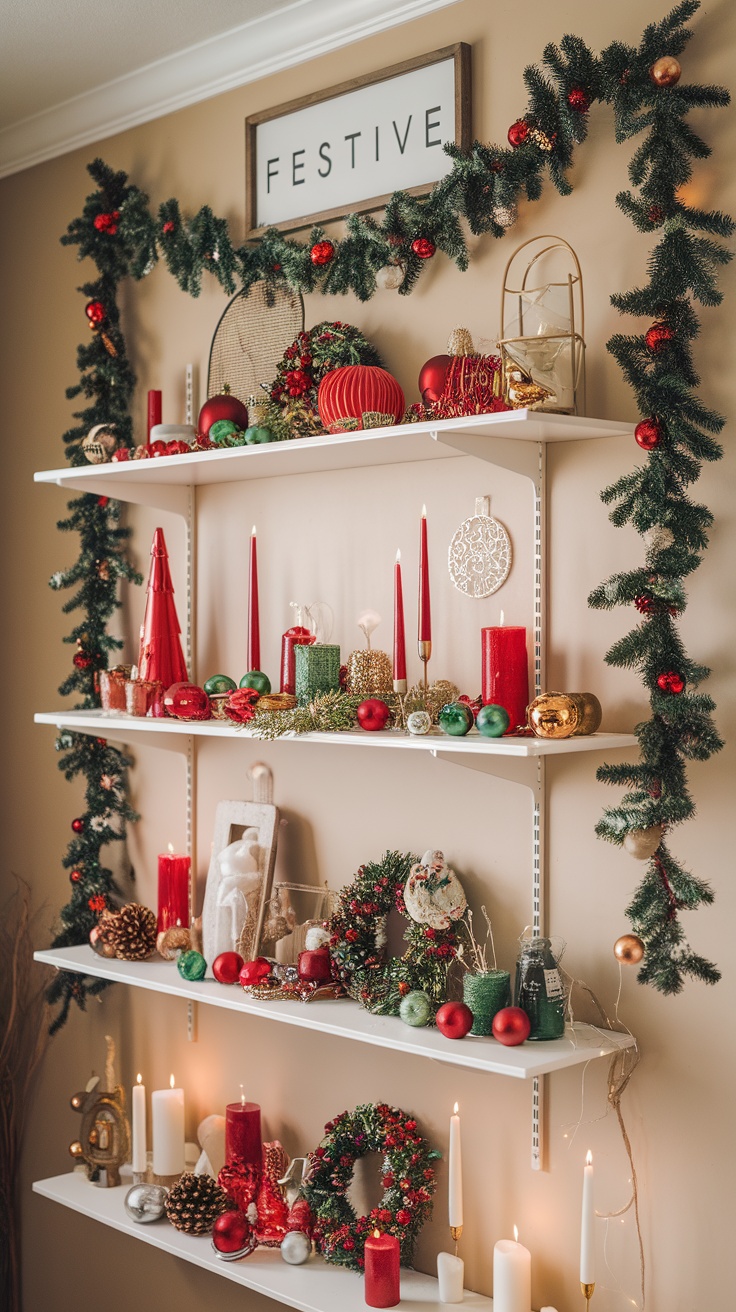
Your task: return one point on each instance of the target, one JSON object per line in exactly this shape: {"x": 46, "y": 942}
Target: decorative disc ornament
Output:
{"x": 479, "y": 558}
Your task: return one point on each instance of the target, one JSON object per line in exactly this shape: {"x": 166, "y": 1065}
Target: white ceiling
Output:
{"x": 75, "y": 71}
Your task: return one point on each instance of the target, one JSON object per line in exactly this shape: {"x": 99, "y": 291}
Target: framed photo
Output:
{"x": 239, "y": 879}
{"x": 352, "y": 146}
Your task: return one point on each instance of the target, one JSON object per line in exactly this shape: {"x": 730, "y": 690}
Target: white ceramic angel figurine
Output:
{"x": 433, "y": 894}
{"x": 238, "y": 884}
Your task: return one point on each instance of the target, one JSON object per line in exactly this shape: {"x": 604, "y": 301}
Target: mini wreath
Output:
{"x": 358, "y": 941}
{"x": 407, "y": 1175}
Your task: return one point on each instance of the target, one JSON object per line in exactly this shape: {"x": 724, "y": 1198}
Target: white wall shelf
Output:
{"x": 510, "y": 439}
{"x": 313, "y": 1287}
{"x": 345, "y": 1019}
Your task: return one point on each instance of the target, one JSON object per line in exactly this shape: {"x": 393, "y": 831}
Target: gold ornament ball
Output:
{"x": 666, "y": 72}
{"x": 628, "y": 949}
{"x": 643, "y": 843}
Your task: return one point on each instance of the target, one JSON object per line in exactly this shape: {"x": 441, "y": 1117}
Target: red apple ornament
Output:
{"x": 254, "y": 971}
{"x": 511, "y": 1026}
{"x": 227, "y": 967}
{"x": 373, "y": 714}
{"x": 454, "y": 1020}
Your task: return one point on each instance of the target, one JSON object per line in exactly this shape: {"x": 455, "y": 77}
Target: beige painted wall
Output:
{"x": 341, "y": 812}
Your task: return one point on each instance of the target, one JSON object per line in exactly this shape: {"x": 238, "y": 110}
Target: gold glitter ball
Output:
{"x": 370, "y": 673}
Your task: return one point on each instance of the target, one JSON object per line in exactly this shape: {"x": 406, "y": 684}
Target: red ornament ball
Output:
{"x": 227, "y": 967}
{"x": 658, "y": 336}
{"x": 578, "y": 100}
{"x": 432, "y": 378}
{"x": 187, "y": 701}
{"x": 253, "y": 972}
{"x": 423, "y": 248}
{"x": 511, "y": 1026}
{"x": 649, "y": 434}
{"x": 231, "y": 1233}
{"x": 518, "y": 133}
{"x": 222, "y": 406}
{"x": 107, "y": 222}
{"x": 169, "y": 227}
{"x": 95, "y": 312}
{"x": 671, "y": 682}
{"x": 82, "y": 660}
{"x": 322, "y": 253}
{"x": 454, "y": 1020}
{"x": 75, "y": 876}
{"x": 373, "y": 714}
{"x": 78, "y": 825}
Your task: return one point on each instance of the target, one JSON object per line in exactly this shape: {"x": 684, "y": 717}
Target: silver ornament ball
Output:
{"x": 389, "y": 277}
{"x": 145, "y": 1202}
{"x": 419, "y": 722}
{"x": 296, "y": 1247}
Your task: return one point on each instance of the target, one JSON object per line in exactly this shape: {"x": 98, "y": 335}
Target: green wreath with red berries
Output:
{"x": 407, "y": 1175}
{"x": 292, "y": 402}
{"x": 358, "y": 944}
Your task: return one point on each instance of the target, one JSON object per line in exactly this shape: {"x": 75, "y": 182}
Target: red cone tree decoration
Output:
{"x": 161, "y": 657}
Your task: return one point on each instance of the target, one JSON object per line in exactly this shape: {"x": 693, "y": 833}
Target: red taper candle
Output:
{"x": 154, "y": 411}
{"x": 243, "y": 1133}
{"x": 424, "y": 633}
{"x": 505, "y": 671}
{"x": 254, "y": 627}
{"x": 382, "y": 1270}
{"x": 173, "y": 889}
{"x": 399, "y": 636}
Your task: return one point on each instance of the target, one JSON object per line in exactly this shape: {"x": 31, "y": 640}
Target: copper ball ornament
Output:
{"x": 666, "y": 71}
{"x": 628, "y": 949}
{"x": 553, "y": 715}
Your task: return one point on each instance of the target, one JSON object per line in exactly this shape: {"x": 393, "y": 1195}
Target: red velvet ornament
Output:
{"x": 322, "y": 253}
{"x": 511, "y": 1026}
{"x": 649, "y": 433}
{"x": 231, "y": 1233}
{"x": 671, "y": 682}
{"x": 578, "y": 100}
{"x": 658, "y": 336}
{"x": 423, "y": 248}
{"x": 161, "y": 659}
{"x": 518, "y": 133}
{"x": 357, "y": 390}
{"x": 222, "y": 406}
{"x": 95, "y": 312}
{"x": 78, "y": 825}
{"x": 187, "y": 701}
{"x": 432, "y": 377}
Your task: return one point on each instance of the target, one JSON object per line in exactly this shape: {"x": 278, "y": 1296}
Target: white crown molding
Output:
{"x": 298, "y": 32}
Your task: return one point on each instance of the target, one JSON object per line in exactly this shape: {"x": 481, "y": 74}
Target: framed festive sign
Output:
{"x": 351, "y": 146}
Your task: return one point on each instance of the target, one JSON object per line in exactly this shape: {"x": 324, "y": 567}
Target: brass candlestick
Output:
{"x": 400, "y": 687}
{"x": 456, "y": 1231}
{"x": 587, "y": 1291}
{"x": 424, "y": 647}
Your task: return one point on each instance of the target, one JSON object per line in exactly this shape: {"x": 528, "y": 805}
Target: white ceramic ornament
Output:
{"x": 419, "y": 723}
{"x": 479, "y": 558}
{"x": 433, "y": 894}
{"x": 296, "y": 1247}
{"x": 236, "y": 896}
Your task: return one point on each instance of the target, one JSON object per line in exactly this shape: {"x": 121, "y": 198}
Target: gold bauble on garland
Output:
{"x": 666, "y": 71}
{"x": 628, "y": 949}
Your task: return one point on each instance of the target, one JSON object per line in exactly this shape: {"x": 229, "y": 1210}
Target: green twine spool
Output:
{"x": 486, "y": 994}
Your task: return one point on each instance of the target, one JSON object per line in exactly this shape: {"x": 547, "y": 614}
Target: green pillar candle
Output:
{"x": 317, "y": 670}
{"x": 485, "y": 994}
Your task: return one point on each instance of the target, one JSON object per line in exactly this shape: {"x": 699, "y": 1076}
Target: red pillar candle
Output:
{"x": 382, "y": 1277}
{"x": 243, "y": 1133}
{"x": 314, "y": 964}
{"x": 505, "y": 671}
{"x": 424, "y": 633}
{"x": 296, "y": 636}
{"x": 254, "y": 628}
{"x": 399, "y": 636}
{"x": 154, "y": 411}
{"x": 173, "y": 889}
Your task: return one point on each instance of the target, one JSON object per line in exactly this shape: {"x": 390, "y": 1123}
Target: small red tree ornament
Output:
{"x": 423, "y": 248}
{"x": 161, "y": 657}
{"x": 578, "y": 100}
{"x": 671, "y": 682}
{"x": 649, "y": 434}
{"x": 658, "y": 336}
{"x": 95, "y": 312}
{"x": 322, "y": 252}
{"x": 518, "y": 133}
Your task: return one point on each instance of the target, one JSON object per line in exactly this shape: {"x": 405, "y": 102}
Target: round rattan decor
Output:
{"x": 250, "y": 339}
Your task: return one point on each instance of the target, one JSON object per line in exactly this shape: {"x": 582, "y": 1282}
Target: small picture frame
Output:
{"x": 239, "y": 879}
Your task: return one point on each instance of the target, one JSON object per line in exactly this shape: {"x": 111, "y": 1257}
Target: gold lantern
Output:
{"x": 542, "y": 323}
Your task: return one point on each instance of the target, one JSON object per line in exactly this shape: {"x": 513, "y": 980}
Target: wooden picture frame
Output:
{"x": 232, "y": 821}
{"x": 313, "y": 114}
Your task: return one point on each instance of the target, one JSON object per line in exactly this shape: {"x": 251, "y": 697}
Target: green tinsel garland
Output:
{"x": 124, "y": 238}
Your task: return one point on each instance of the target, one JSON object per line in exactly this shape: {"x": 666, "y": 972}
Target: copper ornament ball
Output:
{"x": 628, "y": 949}
{"x": 666, "y": 71}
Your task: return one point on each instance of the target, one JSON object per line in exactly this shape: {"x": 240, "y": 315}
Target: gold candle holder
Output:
{"x": 424, "y": 647}
{"x": 400, "y": 687}
{"x": 587, "y": 1291}
{"x": 456, "y": 1232}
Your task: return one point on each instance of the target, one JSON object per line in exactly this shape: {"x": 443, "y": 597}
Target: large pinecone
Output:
{"x": 195, "y": 1202}
{"x": 133, "y": 935}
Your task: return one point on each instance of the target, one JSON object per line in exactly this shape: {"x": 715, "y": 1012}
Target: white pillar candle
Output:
{"x": 450, "y": 1273}
{"x": 587, "y": 1227}
{"x": 512, "y": 1276}
{"x": 456, "y": 1173}
{"x": 167, "y": 1117}
{"x": 138, "y": 1105}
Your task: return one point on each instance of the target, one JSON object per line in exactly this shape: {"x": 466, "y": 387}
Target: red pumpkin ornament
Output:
{"x": 95, "y": 312}
{"x": 359, "y": 396}
{"x": 423, "y": 248}
{"x": 649, "y": 433}
{"x": 223, "y": 406}
{"x": 578, "y": 100}
{"x": 518, "y": 133}
{"x": 658, "y": 336}
{"x": 322, "y": 253}
{"x": 671, "y": 682}
{"x": 432, "y": 377}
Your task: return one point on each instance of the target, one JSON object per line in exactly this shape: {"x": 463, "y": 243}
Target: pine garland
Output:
{"x": 123, "y": 237}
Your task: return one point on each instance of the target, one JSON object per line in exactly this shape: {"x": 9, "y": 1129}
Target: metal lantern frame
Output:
{"x": 576, "y": 314}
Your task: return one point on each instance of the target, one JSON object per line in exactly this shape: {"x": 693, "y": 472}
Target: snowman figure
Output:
{"x": 433, "y": 894}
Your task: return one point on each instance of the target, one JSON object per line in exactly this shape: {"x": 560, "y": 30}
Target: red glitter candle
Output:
{"x": 505, "y": 671}
{"x": 382, "y": 1275}
{"x": 173, "y": 889}
{"x": 243, "y": 1133}
{"x": 254, "y": 627}
{"x": 154, "y": 411}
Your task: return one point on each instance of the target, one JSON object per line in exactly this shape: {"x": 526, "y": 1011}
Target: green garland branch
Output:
{"x": 123, "y": 237}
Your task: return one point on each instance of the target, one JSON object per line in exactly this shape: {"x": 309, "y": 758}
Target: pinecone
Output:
{"x": 133, "y": 934}
{"x": 194, "y": 1203}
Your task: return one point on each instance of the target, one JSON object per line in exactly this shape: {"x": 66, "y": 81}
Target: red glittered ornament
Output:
{"x": 649, "y": 433}
{"x": 432, "y": 377}
{"x": 78, "y": 825}
{"x": 658, "y": 336}
{"x": 423, "y": 248}
{"x": 82, "y": 660}
{"x": 578, "y": 100}
{"x": 671, "y": 682}
{"x": 518, "y": 133}
{"x": 95, "y": 312}
{"x": 322, "y": 252}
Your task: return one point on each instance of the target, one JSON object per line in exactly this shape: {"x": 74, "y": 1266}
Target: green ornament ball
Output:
{"x": 256, "y": 434}
{"x": 416, "y": 1008}
{"x": 492, "y": 721}
{"x": 258, "y": 680}
{"x": 222, "y": 432}
{"x": 456, "y": 719}
{"x": 219, "y": 683}
{"x": 191, "y": 965}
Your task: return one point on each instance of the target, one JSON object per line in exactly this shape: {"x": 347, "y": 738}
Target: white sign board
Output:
{"x": 355, "y": 145}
